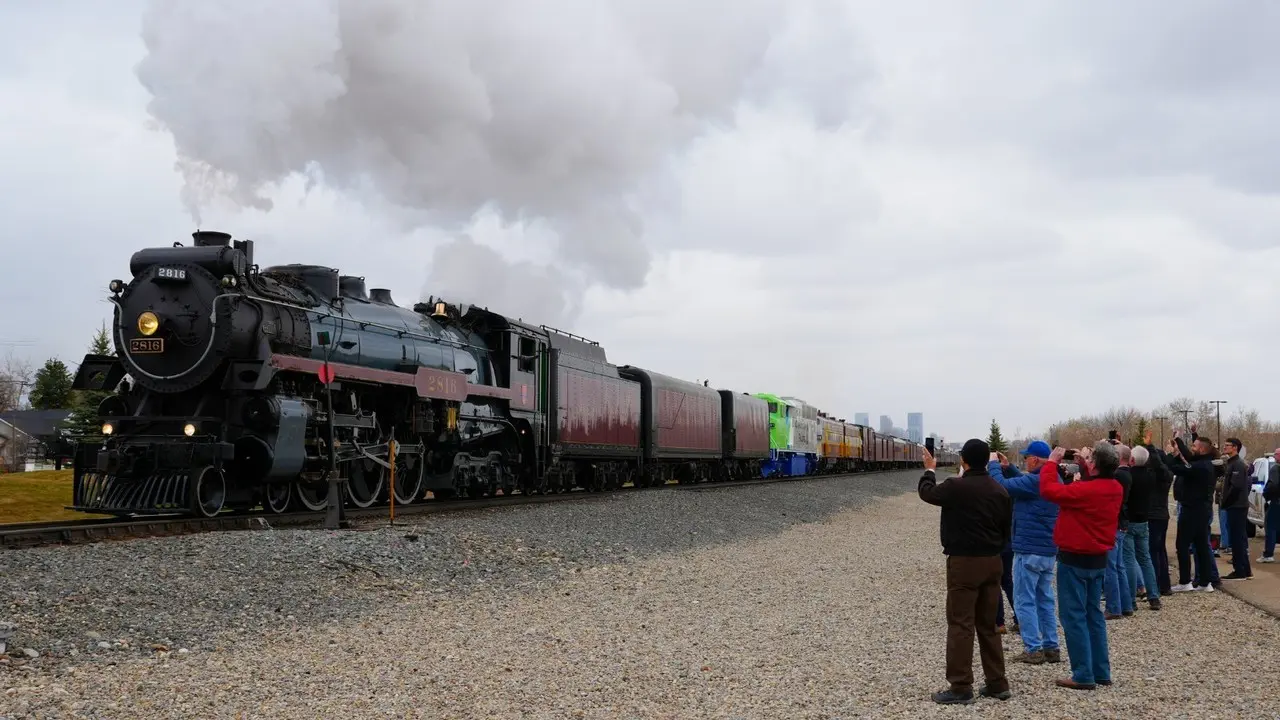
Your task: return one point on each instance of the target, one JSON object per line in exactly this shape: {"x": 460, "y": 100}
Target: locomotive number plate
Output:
{"x": 146, "y": 345}
{"x": 171, "y": 273}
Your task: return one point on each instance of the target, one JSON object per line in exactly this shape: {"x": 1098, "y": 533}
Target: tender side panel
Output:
{"x": 688, "y": 421}
{"x": 683, "y": 419}
{"x": 598, "y": 413}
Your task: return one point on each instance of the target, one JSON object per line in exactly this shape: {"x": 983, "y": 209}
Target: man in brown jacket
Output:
{"x": 977, "y": 520}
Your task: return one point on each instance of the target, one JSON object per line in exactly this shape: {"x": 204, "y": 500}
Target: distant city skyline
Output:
{"x": 915, "y": 427}
{"x": 862, "y": 419}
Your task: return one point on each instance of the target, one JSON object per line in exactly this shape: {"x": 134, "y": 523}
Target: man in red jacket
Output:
{"x": 1087, "y": 519}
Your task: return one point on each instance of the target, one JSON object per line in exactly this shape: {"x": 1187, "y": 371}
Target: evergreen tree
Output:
{"x": 1139, "y": 433}
{"x": 101, "y": 344}
{"x": 996, "y": 440}
{"x": 83, "y": 421}
{"x": 52, "y": 388}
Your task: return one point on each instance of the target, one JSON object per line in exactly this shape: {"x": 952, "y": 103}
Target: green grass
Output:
{"x": 37, "y": 496}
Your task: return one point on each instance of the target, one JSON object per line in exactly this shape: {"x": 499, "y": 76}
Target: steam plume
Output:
{"x": 559, "y": 110}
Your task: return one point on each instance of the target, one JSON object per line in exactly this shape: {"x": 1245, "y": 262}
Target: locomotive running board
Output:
{"x": 428, "y": 382}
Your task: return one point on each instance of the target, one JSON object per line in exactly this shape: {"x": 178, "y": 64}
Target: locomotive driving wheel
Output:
{"x": 365, "y": 479}
{"x": 276, "y": 497}
{"x": 313, "y": 496}
{"x": 208, "y": 491}
{"x": 409, "y": 477}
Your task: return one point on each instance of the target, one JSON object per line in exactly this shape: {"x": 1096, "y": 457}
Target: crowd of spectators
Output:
{"x": 1078, "y": 538}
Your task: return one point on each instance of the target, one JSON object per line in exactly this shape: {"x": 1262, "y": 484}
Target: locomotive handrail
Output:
{"x": 213, "y": 334}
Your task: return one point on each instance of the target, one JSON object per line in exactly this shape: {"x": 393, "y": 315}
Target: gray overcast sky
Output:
{"x": 1020, "y": 210}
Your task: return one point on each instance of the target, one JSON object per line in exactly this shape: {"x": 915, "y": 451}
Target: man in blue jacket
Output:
{"x": 1034, "y": 554}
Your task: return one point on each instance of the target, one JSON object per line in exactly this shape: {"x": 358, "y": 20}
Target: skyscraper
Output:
{"x": 861, "y": 419}
{"x": 886, "y": 425}
{"x": 915, "y": 427}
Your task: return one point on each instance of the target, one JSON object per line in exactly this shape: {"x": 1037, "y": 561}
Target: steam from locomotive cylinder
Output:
{"x": 563, "y": 111}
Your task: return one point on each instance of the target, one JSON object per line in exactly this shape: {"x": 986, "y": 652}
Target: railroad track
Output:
{"x": 33, "y": 534}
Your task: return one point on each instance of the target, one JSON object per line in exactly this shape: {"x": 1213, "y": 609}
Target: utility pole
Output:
{"x": 1161, "y": 418}
{"x": 1219, "y": 403}
{"x": 1186, "y": 417}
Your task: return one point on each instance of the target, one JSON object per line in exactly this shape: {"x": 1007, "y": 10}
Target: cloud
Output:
{"x": 559, "y": 112}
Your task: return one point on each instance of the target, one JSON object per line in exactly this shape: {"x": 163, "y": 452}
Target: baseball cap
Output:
{"x": 1039, "y": 448}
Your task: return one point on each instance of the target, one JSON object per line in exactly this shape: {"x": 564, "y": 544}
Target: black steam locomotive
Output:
{"x": 228, "y": 382}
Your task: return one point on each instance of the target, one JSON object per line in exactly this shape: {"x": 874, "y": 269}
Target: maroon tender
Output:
{"x": 598, "y": 413}
{"x": 679, "y": 419}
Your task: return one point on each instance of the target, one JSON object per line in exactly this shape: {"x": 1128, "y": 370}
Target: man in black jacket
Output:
{"x": 1158, "y": 514}
{"x": 1235, "y": 499}
{"x": 977, "y": 523}
{"x": 1195, "y": 480}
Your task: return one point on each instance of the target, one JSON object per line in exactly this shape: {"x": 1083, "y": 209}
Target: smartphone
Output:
{"x": 1112, "y": 435}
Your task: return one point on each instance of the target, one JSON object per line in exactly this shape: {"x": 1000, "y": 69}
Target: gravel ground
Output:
{"x": 666, "y": 604}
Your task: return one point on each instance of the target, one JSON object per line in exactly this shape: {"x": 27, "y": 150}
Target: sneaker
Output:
{"x": 1030, "y": 658}
{"x": 1183, "y": 588}
{"x": 1005, "y": 694}
{"x": 1267, "y": 558}
{"x": 1237, "y": 576}
{"x": 1127, "y": 613}
{"x": 1154, "y": 603}
{"x": 1203, "y": 588}
{"x": 951, "y": 697}
{"x": 1052, "y": 655}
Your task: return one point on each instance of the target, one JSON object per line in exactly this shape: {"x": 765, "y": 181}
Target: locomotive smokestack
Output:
{"x": 211, "y": 238}
{"x": 381, "y": 295}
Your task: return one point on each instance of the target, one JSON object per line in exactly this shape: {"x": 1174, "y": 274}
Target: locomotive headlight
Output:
{"x": 107, "y": 428}
{"x": 116, "y": 286}
{"x": 188, "y": 429}
{"x": 148, "y": 323}
{"x": 229, "y": 281}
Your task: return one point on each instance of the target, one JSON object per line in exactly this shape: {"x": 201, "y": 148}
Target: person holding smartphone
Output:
{"x": 976, "y": 524}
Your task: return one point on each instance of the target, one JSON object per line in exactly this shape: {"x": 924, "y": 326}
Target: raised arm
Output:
{"x": 932, "y": 491}
{"x": 1019, "y": 486}
{"x": 1052, "y": 489}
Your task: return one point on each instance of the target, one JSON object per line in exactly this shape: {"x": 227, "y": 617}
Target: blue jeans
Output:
{"x": 1137, "y": 561}
{"x": 1273, "y": 525}
{"x": 1224, "y": 530}
{"x": 1119, "y": 599}
{"x": 1033, "y": 601}
{"x": 1079, "y": 594}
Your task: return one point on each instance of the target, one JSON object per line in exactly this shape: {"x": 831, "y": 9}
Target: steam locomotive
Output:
{"x": 228, "y": 382}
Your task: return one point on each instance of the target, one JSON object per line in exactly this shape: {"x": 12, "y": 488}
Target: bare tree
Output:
{"x": 16, "y": 377}
{"x": 1259, "y": 436}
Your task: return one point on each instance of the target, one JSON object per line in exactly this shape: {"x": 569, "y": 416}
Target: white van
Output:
{"x": 1257, "y": 506}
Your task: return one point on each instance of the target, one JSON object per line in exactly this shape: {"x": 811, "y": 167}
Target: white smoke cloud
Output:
{"x": 557, "y": 110}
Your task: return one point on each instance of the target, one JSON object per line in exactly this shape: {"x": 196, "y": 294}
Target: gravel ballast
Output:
{"x": 819, "y": 599}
